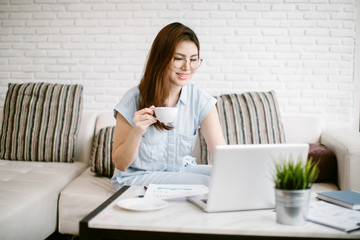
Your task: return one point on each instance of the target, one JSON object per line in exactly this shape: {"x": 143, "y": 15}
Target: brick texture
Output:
{"x": 303, "y": 50}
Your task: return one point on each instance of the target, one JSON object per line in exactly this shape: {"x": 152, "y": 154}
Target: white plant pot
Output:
{"x": 292, "y": 206}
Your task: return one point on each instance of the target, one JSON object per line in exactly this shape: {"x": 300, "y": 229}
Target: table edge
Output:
{"x": 83, "y": 224}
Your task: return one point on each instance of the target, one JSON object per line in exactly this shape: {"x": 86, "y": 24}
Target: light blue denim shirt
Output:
{"x": 166, "y": 150}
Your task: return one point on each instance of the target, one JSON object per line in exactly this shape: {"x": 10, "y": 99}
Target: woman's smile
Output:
{"x": 183, "y": 76}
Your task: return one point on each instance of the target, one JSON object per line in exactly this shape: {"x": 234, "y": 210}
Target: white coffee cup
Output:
{"x": 166, "y": 114}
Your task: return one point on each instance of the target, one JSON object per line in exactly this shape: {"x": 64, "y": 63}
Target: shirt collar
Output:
{"x": 183, "y": 95}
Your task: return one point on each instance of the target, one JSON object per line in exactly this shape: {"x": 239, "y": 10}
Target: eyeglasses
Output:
{"x": 180, "y": 62}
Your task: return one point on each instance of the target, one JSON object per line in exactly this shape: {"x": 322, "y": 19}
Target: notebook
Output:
{"x": 346, "y": 198}
{"x": 241, "y": 176}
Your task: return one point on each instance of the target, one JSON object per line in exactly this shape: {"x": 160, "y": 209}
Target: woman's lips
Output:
{"x": 183, "y": 76}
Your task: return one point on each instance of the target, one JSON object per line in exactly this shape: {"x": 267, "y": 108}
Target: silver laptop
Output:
{"x": 241, "y": 176}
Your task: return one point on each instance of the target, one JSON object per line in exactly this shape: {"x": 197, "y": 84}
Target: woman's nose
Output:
{"x": 186, "y": 65}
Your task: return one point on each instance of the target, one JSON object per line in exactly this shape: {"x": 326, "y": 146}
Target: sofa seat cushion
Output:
{"x": 29, "y": 195}
{"x": 80, "y": 197}
{"x": 323, "y": 187}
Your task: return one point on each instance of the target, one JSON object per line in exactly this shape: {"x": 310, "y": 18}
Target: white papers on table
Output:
{"x": 171, "y": 191}
{"x": 334, "y": 216}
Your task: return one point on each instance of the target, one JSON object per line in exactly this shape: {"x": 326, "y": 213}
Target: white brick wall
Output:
{"x": 302, "y": 49}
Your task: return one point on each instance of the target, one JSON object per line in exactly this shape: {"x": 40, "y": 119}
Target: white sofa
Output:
{"x": 88, "y": 191}
{"x": 36, "y": 198}
{"x": 29, "y": 191}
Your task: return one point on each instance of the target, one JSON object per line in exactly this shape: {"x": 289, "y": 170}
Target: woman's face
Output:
{"x": 180, "y": 72}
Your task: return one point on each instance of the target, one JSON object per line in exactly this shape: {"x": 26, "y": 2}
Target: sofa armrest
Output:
{"x": 345, "y": 144}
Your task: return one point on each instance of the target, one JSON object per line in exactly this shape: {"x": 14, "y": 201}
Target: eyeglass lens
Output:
{"x": 180, "y": 62}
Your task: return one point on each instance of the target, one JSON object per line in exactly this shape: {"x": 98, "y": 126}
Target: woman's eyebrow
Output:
{"x": 183, "y": 55}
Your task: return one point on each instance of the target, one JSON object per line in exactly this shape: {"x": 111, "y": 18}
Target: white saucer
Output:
{"x": 141, "y": 204}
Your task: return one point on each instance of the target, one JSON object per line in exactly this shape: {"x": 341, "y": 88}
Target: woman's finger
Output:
{"x": 144, "y": 119}
{"x": 149, "y": 110}
{"x": 149, "y": 117}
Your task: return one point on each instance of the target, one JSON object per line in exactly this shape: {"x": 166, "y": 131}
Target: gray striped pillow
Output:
{"x": 248, "y": 118}
{"x": 41, "y": 122}
{"x": 101, "y": 160}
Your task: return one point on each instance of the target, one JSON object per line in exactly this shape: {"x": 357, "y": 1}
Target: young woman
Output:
{"x": 147, "y": 151}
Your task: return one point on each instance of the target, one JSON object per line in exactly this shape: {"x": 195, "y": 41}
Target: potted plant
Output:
{"x": 293, "y": 180}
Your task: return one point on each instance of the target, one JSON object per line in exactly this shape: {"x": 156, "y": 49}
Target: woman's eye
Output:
{"x": 194, "y": 59}
{"x": 179, "y": 59}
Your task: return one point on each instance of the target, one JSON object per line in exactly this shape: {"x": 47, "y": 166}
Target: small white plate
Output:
{"x": 141, "y": 204}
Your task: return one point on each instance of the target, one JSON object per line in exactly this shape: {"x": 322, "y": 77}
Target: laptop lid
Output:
{"x": 241, "y": 177}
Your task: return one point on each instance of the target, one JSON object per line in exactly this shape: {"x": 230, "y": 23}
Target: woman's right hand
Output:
{"x": 143, "y": 119}
{"x": 127, "y": 138}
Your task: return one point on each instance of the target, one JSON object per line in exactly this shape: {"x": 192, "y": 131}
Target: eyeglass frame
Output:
{"x": 186, "y": 61}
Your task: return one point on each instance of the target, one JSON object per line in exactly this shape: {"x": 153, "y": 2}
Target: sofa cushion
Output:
{"x": 29, "y": 193}
{"x": 247, "y": 118}
{"x": 101, "y": 160}
{"x": 84, "y": 194}
{"x": 41, "y": 122}
{"x": 327, "y": 162}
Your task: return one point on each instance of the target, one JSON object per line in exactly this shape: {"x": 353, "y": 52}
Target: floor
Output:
{"x": 58, "y": 236}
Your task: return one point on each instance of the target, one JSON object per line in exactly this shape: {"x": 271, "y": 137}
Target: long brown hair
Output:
{"x": 154, "y": 86}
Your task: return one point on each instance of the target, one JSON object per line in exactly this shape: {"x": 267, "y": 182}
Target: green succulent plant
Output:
{"x": 294, "y": 175}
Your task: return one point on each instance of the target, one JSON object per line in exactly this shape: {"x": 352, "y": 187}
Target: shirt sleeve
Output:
{"x": 128, "y": 105}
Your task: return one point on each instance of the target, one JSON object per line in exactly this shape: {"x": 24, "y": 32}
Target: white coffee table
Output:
{"x": 182, "y": 220}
